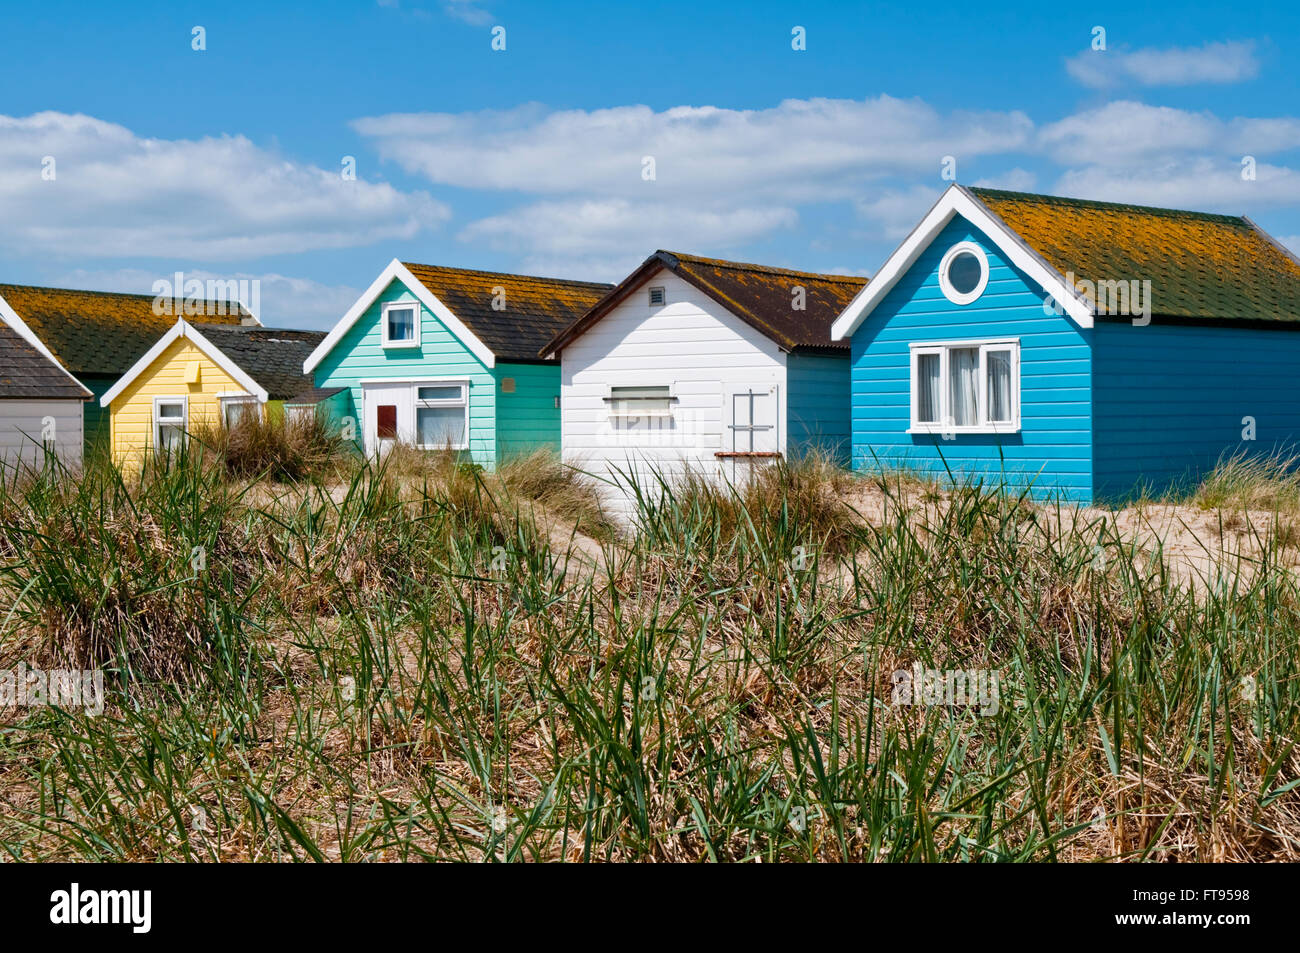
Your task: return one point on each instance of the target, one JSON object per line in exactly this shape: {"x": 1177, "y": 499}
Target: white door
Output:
{"x": 389, "y": 415}
{"x": 751, "y": 433}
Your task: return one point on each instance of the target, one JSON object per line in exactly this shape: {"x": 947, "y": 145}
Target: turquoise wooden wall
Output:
{"x": 95, "y": 421}
{"x": 1170, "y": 400}
{"x": 529, "y": 418}
{"x": 817, "y": 405}
{"x": 359, "y": 356}
{"x": 1053, "y": 451}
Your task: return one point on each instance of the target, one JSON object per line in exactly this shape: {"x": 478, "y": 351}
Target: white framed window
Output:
{"x": 965, "y": 387}
{"x": 169, "y": 420}
{"x": 657, "y": 296}
{"x": 235, "y": 409}
{"x": 646, "y": 400}
{"x": 441, "y": 415}
{"x": 963, "y": 273}
{"x": 400, "y": 321}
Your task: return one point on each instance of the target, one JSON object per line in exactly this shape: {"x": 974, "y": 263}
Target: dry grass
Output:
{"x": 411, "y": 669}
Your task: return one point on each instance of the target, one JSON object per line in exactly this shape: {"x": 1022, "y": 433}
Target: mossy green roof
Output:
{"x": 1201, "y": 266}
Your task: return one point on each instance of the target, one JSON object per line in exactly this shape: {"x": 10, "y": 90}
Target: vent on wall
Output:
{"x": 656, "y": 296}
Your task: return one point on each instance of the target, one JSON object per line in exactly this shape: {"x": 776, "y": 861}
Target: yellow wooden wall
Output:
{"x": 131, "y": 412}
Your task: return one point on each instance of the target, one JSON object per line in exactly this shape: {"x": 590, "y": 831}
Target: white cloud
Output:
{"x": 615, "y": 235}
{"x": 798, "y": 150}
{"x": 1225, "y": 62}
{"x": 1292, "y": 242}
{"x": 1126, "y": 132}
{"x": 721, "y": 176}
{"x": 1015, "y": 180}
{"x": 286, "y": 301}
{"x": 896, "y": 212}
{"x": 1199, "y": 183}
{"x": 116, "y": 194}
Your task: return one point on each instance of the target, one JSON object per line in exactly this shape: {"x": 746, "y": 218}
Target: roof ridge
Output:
{"x": 1040, "y": 197}
{"x": 106, "y": 294}
{"x": 508, "y": 274}
{"x": 248, "y": 328}
{"x": 768, "y": 269}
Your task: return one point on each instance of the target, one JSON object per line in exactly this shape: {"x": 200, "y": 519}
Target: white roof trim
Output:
{"x": 12, "y": 318}
{"x": 958, "y": 201}
{"x": 183, "y": 329}
{"x": 396, "y": 271}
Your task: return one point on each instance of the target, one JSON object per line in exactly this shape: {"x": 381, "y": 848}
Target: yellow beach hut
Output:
{"x": 203, "y": 375}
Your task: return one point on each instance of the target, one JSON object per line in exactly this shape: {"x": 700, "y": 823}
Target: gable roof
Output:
{"x": 183, "y": 329}
{"x": 273, "y": 357}
{"x": 93, "y": 332}
{"x": 1202, "y": 267}
{"x": 461, "y": 298}
{"x": 536, "y": 309}
{"x": 27, "y": 374}
{"x": 759, "y": 295}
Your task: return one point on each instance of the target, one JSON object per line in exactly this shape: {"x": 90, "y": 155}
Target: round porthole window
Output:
{"x": 963, "y": 273}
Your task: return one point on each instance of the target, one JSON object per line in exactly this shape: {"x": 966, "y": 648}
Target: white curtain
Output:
{"x": 963, "y": 368}
{"x": 999, "y": 395}
{"x": 927, "y": 388}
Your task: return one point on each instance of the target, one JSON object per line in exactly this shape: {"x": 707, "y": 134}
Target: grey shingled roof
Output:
{"x": 271, "y": 356}
{"x": 27, "y": 374}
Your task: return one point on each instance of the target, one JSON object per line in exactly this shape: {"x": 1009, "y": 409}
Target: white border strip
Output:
{"x": 396, "y": 271}
{"x": 182, "y": 329}
{"x": 958, "y": 201}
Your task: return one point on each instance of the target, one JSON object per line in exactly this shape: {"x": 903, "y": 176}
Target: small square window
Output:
{"x": 233, "y": 411}
{"x": 657, "y": 297}
{"x": 169, "y": 419}
{"x": 401, "y": 324}
{"x": 442, "y": 392}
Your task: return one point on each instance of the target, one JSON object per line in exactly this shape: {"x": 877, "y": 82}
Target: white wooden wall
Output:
{"x": 21, "y": 427}
{"x": 691, "y": 343}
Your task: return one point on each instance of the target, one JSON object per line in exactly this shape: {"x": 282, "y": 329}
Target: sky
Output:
{"x": 306, "y": 145}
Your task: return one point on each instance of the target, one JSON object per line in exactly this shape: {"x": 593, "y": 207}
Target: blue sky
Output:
{"x": 227, "y": 162}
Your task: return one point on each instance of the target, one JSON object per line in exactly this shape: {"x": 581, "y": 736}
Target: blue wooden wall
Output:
{"x": 1053, "y": 451}
{"x": 1170, "y": 400}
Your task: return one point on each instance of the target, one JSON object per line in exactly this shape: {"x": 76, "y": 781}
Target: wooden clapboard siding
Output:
{"x": 23, "y": 431}
{"x": 691, "y": 343}
{"x": 1053, "y": 451}
{"x": 1171, "y": 400}
{"x": 527, "y": 419}
{"x": 131, "y": 413}
{"x": 818, "y": 402}
{"x": 360, "y": 355}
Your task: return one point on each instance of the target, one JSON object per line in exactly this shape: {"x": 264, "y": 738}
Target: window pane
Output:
{"x": 171, "y": 411}
{"x": 999, "y": 386}
{"x": 964, "y": 272}
{"x": 927, "y": 388}
{"x": 440, "y": 426}
{"x": 441, "y": 392}
{"x": 236, "y": 411}
{"x": 640, "y": 401}
{"x": 401, "y": 324}
{"x": 656, "y": 391}
{"x": 963, "y": 367}
{"x": 169, "y": 438}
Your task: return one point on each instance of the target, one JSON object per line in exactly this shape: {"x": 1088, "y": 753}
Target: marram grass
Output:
{"x": 408, "y": 661}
